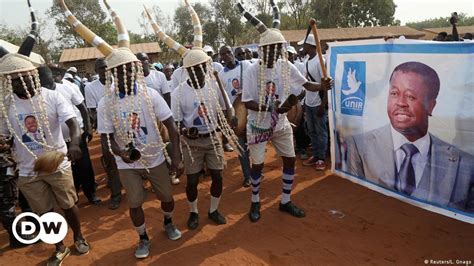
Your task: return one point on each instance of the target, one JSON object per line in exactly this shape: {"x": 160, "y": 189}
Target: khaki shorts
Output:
{"x": 202, "y": 151}
{"x": 282, "y": 141}
{"x": 41, "y": 191}
{"x": 132, "y": 181}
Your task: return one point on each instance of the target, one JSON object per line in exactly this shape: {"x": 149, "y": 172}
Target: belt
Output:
{"x": 206, "y": 135}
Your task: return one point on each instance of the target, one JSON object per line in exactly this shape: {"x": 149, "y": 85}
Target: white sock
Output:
{"x": 141, "y": 230}
{"x": 193, "y": 206}
{"x": 288, "y": 177}
{"x": 214, "y": 204}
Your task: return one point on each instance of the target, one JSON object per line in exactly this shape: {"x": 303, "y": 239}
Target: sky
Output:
{"x": 11, "y": 11}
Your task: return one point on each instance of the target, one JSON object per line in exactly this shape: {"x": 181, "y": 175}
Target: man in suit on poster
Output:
{"x": 404, "y": 156}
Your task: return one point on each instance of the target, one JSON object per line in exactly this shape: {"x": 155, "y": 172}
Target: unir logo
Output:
{"x": 353, "y": 88}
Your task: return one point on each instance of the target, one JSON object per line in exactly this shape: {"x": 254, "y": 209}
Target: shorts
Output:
{"x": 282, "y": 141}
{"x": 41, "y": 191}
{"x": 132, "y": 181}
{"x": 202, "y": 151}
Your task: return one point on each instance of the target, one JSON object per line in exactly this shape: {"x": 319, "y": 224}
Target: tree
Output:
{"x": 297, "y": 15}
{"x": 90, "y": 14}
{"x": 463, "y": 20}
{"x": 353, "y": 13}
{"x": 184, "y": 29}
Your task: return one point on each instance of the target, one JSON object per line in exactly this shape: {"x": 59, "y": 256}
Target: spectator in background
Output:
{"x": 155, "y": 79}
{"x": 239, "y": 53}
{"x": 210, "y": 52}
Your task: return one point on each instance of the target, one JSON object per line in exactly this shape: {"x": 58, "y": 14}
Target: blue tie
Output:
{"x": 407, "y": 172}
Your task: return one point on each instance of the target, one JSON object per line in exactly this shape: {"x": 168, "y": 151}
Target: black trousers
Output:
{"x": 82, "y": 170}
{"x": 9, "y": 195}
{"x": 302, "y": 139}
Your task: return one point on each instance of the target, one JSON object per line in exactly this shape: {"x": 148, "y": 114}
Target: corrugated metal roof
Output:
{"x": 461, "y": 29}
{"x": 354, "y": 33}
{"x": 79, "y": 54}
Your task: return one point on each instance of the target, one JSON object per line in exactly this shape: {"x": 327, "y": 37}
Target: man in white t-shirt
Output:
{"x": 210, "y": 52}
{"x": 82, "y": 170}
{"x": 316, "y": 114}
{"x": 168, "y": 71}
{"x": 302, "y": 140}
{"x": 94, "y": 92}
{"x": 232, "y": 77}
{"x": 45, "y": 110}
{"x": 155, "y": 79}
{"x": 264, "y": 95}
{"x": 127, "y": 122}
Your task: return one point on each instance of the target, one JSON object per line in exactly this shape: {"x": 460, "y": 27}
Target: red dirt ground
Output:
{"x": 374, "y": 229}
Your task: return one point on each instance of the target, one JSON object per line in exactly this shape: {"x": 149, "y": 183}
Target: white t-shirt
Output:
{"x": 157, "y": 80}
{"x": 94, "y": 91}
{"x": 301, "y": 65}
{"x": 217, "y": 66}
{"x": 312, "y": 98}
{"x": 250, "y": 92}
{"x": 179, "y": 75}
{"x": 169, "y": 83}
{"x": 231, "y": 79}
{"x": 73, "y": 96}
{"x": 143, "y": 128}
{"x": 186, "y": 103}
{"x": 26, "y": 124}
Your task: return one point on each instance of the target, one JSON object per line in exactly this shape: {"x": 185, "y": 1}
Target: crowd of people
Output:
{"x": 157, "y": 122}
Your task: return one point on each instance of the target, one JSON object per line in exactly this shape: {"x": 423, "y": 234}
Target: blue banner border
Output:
{"x": 422, "y": 48}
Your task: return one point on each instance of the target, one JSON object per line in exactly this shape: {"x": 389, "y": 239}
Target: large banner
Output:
{"x": 402, "y": 120}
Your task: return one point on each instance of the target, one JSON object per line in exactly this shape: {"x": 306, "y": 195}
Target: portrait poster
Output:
{"x": 402, "y": 120}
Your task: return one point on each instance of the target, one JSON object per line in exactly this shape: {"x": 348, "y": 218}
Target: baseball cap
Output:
{"x": 208, "y": 49}
{"x": 291, "y": 49}
{"x": 309, "y": 41}
{"x": 72, "y": 69}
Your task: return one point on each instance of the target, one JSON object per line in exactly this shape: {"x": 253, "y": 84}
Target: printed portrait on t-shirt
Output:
{"x": 139, "y": 129}
{"x": 235, "y": 87}
{"x": 32, "y": 137}
{"x": 271, "y": 91}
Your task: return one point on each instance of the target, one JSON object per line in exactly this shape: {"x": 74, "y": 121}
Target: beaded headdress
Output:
{"x": 115, "y": 59}
{"x": 194, "y": 59}
{"x": 19, "y": 66}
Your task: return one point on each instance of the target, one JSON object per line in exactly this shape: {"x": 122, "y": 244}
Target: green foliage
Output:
{"x": 90, "y": 14}
{"x": 463, "y": 20}
{"x": 183, "y": 25}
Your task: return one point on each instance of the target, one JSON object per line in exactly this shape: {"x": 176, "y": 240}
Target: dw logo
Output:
{"x": 353, "y": 88}
{"x": 52, "y": 228}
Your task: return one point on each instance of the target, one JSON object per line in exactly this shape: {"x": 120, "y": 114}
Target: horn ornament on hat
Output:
{"x": 252, "y": 19}
{"x": 181, "y": 50}
{"x": 27, "y": 45}
{"x": 3, "y": 51}
{"x": 196, "y": 25}
{"x": 85, "y": 32}
{"x": 276, "y": 15}
{"x": 267, "y": 36}
{"x": 123, "y": 38}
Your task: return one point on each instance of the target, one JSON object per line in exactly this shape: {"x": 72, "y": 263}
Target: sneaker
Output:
{"x": 304, "y": 156}
{"x": 94, "y": 200}
{"x": 228, "y": 148}
{"x": 114, "y": 203}
{"x": 143, "y": 249}
{"x": 172, "y": 232}
{"x": 174, "y": 179}
{"x": 82, "y": 246}
{"x": 254, "y": 213}
{"x": 193, "y": 220}
{"x": 246, "y": 182}
{"x": 311, "y": 161}
{"x": 217, "y": 217}
{"x": 291, "y": 208}
{"x": 320, "y": 165}
{"x": 58, "y": 257}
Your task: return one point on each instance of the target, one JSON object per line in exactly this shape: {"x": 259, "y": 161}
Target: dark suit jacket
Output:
{"x": 447, "y": 180}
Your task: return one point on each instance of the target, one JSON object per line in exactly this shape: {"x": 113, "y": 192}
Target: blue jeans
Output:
{"x": 317, "y": 131}
{"x": 244, "y": 159}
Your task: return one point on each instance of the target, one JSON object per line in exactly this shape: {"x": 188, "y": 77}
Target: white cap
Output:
{"x": 208, "y": 49}
{"x": 291, "y": 49}
{"x": 72, "y": 69}
{"x": 309, "y": 41}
